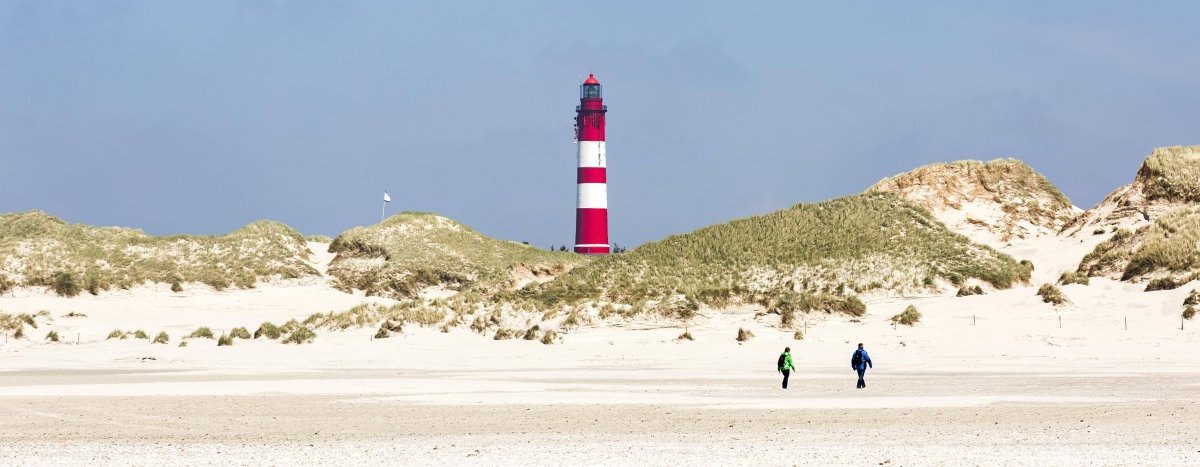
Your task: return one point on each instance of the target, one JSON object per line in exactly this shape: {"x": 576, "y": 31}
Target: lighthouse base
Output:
{"x": 593, "y": 249}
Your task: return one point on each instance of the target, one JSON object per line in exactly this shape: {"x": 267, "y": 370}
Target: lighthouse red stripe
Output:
{"x": 592, "y": 175}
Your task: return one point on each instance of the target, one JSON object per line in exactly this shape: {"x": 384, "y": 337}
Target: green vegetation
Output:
{"x": 140, "y": 334}
{"x": 1070, "y": 277}
{"x": 268, "y": 330}
{"x": 301, "y": 335}
{"x": 240, "y": 333}
{"x": 908, "y": 317}
{"x": 224, "y": 340}
{"x": 411, "y": 251}
{"x": 1164, "y": 283}
{"x": 1168, "y": 249}
{"x": 70, "y": 258}
{"x": 161, "y": 338}
{"x": 370, "y": 314}
{"x": 176, "y": 286}
{"x": 1190, "y": 303}
{"x": 183, "y": 343}
{"x": 64, "y": 284}
{"x": 798, "y": 335}
{"x": 532, "y": 333}
{"x": 744, "y": 335}
{"x": 200, "y": 333}
{"x": 1051, "y": 294}
{"x": 549, "y": 336}
{"x": 967, "y": 291}
{"x": 503, "y": 334}
{"x": 1172, "y": 174}
{"x": 117, "y": 334}
{"x": 52, "y": 336}
{"x": 836, "y": 248}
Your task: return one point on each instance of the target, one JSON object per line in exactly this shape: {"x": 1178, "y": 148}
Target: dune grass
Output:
{"x": 200, "y": 333}
{"x": 117, "y": 334}
{"x": 1172, "y": 174}
{"x": 300, "y": 335}
{"x": 744, "y": 335}
{"x": 52, "y": 336}
{"x": 411, "y": 251}
{"x": 1051, "y": 294}
{"x": 69, "y": 259}
{"x": 840, "y": 247}
{"x": 240, "y": 333}
{"x": 224, "y": 340}
{"x": 161, "y": 338}
{"x": 909, "y": 317}
{"x": 1073, "y": 277}
{"x": 1168, "y": 249}
{"x": 268, "y": 330}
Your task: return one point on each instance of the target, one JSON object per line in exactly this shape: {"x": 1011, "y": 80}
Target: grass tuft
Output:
{"x": 200, "y": 333}
{"x": 240, "y": 333}
{"x": 549, "y": 336}
{"x": 686, "y": 336}
{"x": 52, "y": 336}
{"x": 1071, "y": 277}
{"x": 224, "y": 340}
{"x": 300, "y": 335}
{"x": 117, "y": 334}
{"x": 140, "y": 334}
{"x": 908, "y": 317}
{"x": 161, "y": 338}
{"x": 268, "y": 330}
{"x": 966, "y": 291}
{"x": 1051, "y": 294}
{"x": 744, "y": 335}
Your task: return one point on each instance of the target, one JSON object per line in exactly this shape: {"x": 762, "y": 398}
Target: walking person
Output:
{"x": 786, "y": 365}
{"x": 859, "y": 362}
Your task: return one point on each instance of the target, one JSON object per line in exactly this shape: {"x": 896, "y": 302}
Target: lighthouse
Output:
{"x": 591, "y": 202}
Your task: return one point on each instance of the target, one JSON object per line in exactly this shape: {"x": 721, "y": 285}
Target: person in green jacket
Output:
{"x": 786, "y": 365}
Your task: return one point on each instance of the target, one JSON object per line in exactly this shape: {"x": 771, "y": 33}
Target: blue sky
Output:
{"x": 202, "y": 116}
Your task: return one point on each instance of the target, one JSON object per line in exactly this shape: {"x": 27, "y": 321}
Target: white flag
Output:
{"x": 386, "y": 198}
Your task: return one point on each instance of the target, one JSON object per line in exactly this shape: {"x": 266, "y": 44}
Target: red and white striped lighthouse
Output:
{"x": 591, "y": 207}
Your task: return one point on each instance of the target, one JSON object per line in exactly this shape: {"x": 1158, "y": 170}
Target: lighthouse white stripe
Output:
{"x": 593, "y": 195}
{"x": 591, "y": 154}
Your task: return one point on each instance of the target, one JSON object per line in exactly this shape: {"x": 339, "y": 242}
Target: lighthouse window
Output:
{"x": 590, "y": 91}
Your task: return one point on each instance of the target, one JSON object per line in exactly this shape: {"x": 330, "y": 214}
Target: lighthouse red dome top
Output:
{"x": 590, "y": 90}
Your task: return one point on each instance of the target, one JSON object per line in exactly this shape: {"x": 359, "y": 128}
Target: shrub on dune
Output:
{"x": 140, "y": 334}
{"x": 301, "y": 335}
{"x": 908, "y": 317}
{"x": 549, "y": 336}
{"x": 52, "y": 336}
{"x": 240, "y": 333}
{"x": 117, "y": 334}
{"x": 744, "y": 335}
{"x": 268, "y": 330}
{"x": 161, "y": 338}
{"x": 1051, "y": 294}
{"x": 202, "y": 332}
{"x": 224, "y": 340}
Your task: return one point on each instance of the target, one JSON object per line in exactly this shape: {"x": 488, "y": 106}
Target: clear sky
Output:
{"x": 202, "y": 116}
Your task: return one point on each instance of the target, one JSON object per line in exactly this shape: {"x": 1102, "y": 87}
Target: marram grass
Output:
{"x": 845, "y": 246}
{"x": 42, "y": 250}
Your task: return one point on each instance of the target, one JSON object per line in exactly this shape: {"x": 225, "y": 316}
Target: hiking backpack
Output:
{"x": 857, "y": 360}
{"x": 782, "y": 361}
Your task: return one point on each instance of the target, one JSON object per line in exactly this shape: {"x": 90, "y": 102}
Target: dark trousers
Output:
{"x": 862, "y": 372}
{"x": 785, "y": 377}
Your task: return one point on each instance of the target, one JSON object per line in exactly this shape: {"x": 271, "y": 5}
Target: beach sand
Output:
{"x": 996, "y": 379}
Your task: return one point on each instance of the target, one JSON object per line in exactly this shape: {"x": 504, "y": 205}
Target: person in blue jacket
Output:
{"x": 859, "y": 362}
